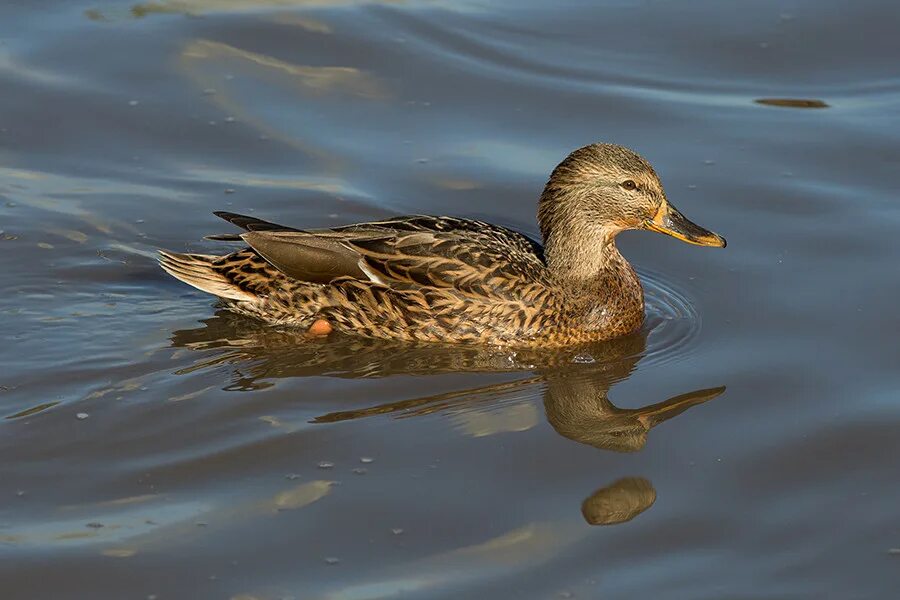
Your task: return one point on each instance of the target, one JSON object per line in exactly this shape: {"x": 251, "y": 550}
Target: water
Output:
{"x": 154, "y": 447}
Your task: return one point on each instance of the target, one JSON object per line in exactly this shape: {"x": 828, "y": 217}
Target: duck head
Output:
{"x": 602, "y": 189}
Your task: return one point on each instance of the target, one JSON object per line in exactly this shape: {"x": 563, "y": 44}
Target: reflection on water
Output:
{"x": 575, "y": 381}
{"x": 312, "y": 79}
{"x": 619, "y": 502}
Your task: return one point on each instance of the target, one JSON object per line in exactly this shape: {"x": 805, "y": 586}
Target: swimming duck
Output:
{"x": 447, "y": 279}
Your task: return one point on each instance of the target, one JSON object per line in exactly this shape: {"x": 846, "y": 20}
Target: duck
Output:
{"x": 446, "y": 279}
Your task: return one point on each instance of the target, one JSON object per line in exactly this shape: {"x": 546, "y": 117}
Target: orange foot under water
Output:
{"x": 320, "y": 327}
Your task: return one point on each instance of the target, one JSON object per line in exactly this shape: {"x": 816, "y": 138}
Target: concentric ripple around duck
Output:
{"x": 672, "y": 320}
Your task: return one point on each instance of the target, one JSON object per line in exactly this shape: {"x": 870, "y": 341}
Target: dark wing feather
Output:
{"x": 251, "y": 223}
{"x": 306, "y": 256}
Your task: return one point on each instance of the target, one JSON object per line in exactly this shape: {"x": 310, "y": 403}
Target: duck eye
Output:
{"x": 628, "y": 184}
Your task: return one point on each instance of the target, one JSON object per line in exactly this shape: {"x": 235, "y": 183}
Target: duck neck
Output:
{"x": 575, "y": 262}
{"x": 599, "y": 283}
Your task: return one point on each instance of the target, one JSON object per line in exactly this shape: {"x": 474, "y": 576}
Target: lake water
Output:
{"x": 152, "y": 446}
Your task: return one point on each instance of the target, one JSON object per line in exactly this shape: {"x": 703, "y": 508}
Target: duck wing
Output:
{"x": 403, "y": 253}
{"x": 470, "y": 256}
{"x": 246, "y": 223}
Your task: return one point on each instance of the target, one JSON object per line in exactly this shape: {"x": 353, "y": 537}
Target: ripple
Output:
{"x": 672, "y": 321}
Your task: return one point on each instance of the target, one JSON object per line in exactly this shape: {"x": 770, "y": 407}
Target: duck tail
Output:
{"x": 197, "y": 270}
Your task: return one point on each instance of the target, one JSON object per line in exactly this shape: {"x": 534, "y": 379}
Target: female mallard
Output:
{"x": 444, "y": 279}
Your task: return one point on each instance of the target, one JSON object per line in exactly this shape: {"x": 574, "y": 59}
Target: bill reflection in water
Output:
{"x": 576, "y": 384}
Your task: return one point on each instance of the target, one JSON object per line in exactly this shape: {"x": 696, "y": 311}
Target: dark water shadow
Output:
{"x": 576, "y": 383}
{"x": 792, "y": 102}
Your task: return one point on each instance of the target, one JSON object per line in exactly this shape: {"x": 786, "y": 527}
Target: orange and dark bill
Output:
{"x": 671, "y": 222}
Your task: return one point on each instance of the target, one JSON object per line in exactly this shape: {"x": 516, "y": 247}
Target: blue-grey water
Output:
{"x": 152, "y": 446}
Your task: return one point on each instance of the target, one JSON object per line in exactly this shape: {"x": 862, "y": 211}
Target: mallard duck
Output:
{"x": 447, "y": 279}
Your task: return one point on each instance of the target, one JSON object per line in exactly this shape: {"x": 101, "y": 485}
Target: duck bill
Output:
{"x": 671, "y": 222}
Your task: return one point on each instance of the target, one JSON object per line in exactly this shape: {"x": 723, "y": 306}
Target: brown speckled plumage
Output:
{"x": 445, "y": 279}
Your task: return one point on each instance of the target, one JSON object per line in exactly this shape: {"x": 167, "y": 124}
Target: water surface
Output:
{"x": 743, "y": 445}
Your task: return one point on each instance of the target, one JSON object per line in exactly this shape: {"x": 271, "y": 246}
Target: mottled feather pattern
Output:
{"x": 440, "y": 279}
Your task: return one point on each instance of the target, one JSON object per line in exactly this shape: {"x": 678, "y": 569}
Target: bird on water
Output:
{"x": 446, "y": 279}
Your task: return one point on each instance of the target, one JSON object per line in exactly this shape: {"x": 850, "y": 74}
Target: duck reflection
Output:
{"x": 576, "y": 383}
{"x": 619, "y": 502}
